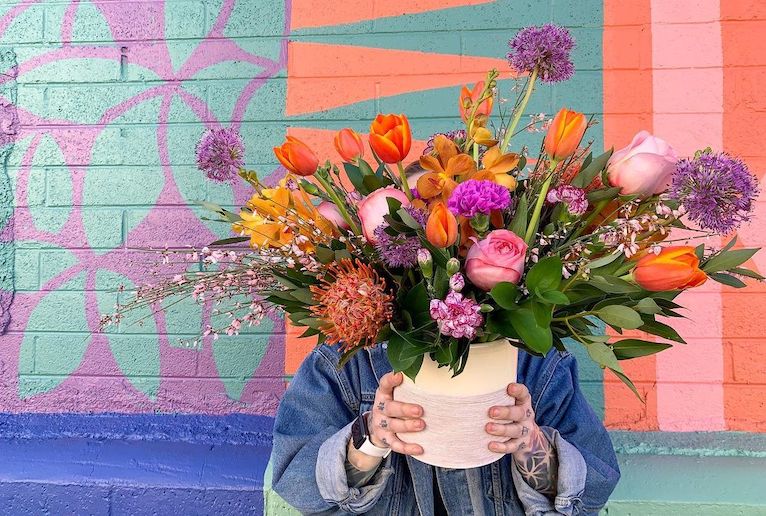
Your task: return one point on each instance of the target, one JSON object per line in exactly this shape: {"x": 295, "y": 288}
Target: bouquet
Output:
{"x": 472, "y": 241}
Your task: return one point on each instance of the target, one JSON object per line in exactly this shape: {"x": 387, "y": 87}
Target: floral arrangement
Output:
{"x": 472, "y": 242}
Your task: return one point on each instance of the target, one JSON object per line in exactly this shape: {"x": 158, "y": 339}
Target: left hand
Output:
{"x": 517, "y": 423}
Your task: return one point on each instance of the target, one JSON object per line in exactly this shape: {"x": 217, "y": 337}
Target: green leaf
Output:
{"x": 523, "y": 321}
{"x": 741, "y": 271}
{"x": 545, "y": 275}
{"x": 504, "y": 294}
{"x": 414, "y": 368}
{"x": 661, "y": 330}
{"x": 699, "y": 251}
{"x": 726, "y": 260}
{"x": 356, "y": 177}
{"x": 602, "y": 355}
{"x": 324, "y": 254}
{"x": 227, "y": 241}
{"x": 620, "y": 316}
{"x": 603, "y": 261}
{"x": 499, "y": 322}
{"x": 633, "y": 348}
{"x": 612, "y": 284}
{"x": 542, "y": 313}
{"x": 372, "y": 183}
{"x": 589, "y": 172}
{"x": 603, "y": 194}
{"x": 627, "y": 381}
{"x": 648, "y": 306}
{"x": 519, "y": 222}
{"x": 554, "y": 297}
{"x": 408, "y": 219}
{"x": 396, "y": 345}
{"x": 597, "y": 338}
{"x": 727, "y": 279}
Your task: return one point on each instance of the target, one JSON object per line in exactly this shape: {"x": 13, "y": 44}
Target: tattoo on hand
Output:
{"x": 540, "y": 466}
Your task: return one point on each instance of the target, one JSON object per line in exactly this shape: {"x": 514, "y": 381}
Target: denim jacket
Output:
{"x": 313, "y": 427}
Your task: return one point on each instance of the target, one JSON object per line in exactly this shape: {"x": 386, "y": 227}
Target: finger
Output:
{"x": 397, "y": 425}
{"x": 402, "y": 410}
{"x": 510, "y": 430}
{"x": 399, "y": 446}
{"x": 511, "y": 446}
{"x": 511, "y": 413}
{"x": 387, "y": 384}
{"x": 520, "y": 392}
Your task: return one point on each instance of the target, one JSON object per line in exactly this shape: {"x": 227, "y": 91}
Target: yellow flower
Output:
{"x": 443, "y": 168}
{"x": 496, "y": 168}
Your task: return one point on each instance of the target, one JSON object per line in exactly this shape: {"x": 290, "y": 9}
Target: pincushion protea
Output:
{"x": 353, "y": 304}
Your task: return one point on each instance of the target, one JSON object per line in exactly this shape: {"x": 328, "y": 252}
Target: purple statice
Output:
{"x": 458, "y": 135}
{"x": 456, "y": 316}
{"x": 575, "y": 198}
{"x": 399, "y": 250}
{"x": 220, "y": 154}
{"x": 546, "y": 48}
{"x": 716, "y": 190}
{"x": 478, "y": 196}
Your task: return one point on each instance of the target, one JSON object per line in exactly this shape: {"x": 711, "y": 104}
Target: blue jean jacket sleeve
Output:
{"x": 588, "y": 470}
{"x": 311, "y": 432}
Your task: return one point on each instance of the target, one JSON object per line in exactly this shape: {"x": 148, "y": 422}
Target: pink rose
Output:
{"x": 329, "y": 211}
{"x": 374, "y": 207}
{"x": 644, "y": 167}
{"x": 499, "y": 257}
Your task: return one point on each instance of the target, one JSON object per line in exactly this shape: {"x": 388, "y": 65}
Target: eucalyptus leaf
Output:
{"x": 505, "y": 294}
{"x": 545, "y": 275}
{"x": 620, "y": 316}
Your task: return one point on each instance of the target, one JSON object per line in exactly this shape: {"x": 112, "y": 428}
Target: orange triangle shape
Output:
{"x": 314, "y": 13}
{"x": 322, "y": 76}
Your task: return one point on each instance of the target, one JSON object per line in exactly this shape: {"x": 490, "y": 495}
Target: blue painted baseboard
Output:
{"x": 125, "y": 464}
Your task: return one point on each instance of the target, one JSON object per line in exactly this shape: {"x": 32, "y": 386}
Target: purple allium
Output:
{"x": 458, "y": 135}
{"x": 575, "y": 198}
{"x": 456, "y": 316}
{"x": 478, "y": 196}
{"x": 399, "y": 250}
{"x": 220, "y": 154}
{"x": 716, "y": 190}
{"x": 546, "y": 47}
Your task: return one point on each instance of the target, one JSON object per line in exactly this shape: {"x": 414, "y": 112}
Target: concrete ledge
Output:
{"x": 133, "y": 464}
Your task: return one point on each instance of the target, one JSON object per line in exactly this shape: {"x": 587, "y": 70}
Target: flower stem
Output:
{"x": 338, "y": 203}
{"x": 519, "y": 111}
{"x": 532, "y": 228}
{"x": 403, "y": 179}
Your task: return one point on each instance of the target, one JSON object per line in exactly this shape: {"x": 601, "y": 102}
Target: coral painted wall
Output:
{"x": 102, "y": 101}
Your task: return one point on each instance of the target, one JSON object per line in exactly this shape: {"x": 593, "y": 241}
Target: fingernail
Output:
{"x": 494, "y": 412}
{"x": 417, "y": 411}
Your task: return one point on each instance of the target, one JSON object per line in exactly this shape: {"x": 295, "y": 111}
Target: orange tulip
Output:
{"x": 564, "y": 134}
{"x": 390, "y": 137}
{"x": 441, "y": 227}
{"x": 469, "y": 98}
{"x": 297, "y": 157}
{"x": 349, "y": 145}
{"x": 675, "y": 268}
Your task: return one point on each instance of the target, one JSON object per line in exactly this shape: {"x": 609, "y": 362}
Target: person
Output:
{"x": 557, "y": 455}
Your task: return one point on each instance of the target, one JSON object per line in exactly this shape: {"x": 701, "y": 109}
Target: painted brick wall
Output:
{"x": 102, "y": 101}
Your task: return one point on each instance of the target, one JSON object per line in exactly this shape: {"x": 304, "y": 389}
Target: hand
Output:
{"x": 388, "y": 417}
{"x": 517, "y": 425}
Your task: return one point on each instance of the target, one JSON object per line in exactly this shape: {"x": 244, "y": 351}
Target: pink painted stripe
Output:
{"x": 688, "y": 112}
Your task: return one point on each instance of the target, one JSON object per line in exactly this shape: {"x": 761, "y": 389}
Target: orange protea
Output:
{"x": 353, "y": 304}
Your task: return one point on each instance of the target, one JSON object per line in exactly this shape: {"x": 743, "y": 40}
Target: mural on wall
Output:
{"x": 112, "y": 96}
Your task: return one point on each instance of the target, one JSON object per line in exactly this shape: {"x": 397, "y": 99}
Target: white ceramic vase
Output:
{"x": 455, "y": 410}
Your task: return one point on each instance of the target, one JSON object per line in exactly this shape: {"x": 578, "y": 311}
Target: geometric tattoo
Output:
{"x": 540, "y": 466}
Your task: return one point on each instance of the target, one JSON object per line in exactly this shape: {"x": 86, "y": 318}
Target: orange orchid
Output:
{"x": 497, "y": 167}
{"x": 442, "y": 169}
{"x": 275, "y": 216}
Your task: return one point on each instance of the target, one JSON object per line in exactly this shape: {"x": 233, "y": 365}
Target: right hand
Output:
{"x": 389, "y": 417}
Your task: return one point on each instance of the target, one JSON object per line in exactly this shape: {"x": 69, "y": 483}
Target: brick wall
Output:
{"x": 102, "y": 102}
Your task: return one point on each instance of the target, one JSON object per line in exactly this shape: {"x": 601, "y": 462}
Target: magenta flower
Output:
{"x": 456, "y": 316}
{"x": 546, "y": 48}
{"x": 574, "y": 198}
{"x": 478, "y": 196}
{"x": 220, "y": 154}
